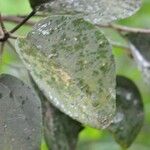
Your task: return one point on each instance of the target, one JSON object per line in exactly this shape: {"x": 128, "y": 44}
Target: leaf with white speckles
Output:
{"x": 95, "y": 11}
{"x": 130, "y": 114}
{"x": 72, "y": 63}
{"x": 60, "y": 131}
{"x": 20, "y": 115}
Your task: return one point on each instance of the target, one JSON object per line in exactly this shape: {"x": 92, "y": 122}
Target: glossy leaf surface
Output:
{"x": 95, "y": 11}
{"x": 72, "y": 63}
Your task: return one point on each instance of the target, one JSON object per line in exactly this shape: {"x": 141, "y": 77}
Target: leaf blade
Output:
{"x": 95, "y": 11}
{"x": 72, "y": 63}
{"x": 20, "y": 117}
{"x": 129, "y": 115}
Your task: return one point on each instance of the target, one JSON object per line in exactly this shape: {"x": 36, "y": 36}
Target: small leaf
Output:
{"x": 60, "y": 131}
{"x": 20, "y": 115}
{"x": 95, "y": 11}
{"x": 72, "y": 63}
{"x": 129, "y": 116}
{"x": 140, "y": 49}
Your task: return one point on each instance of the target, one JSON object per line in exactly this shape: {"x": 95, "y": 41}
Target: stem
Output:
{"x": 118, "y": 45}
{"x": 128, "y": 50}
{"x": 23, "y": 21}
{"x": 2, "y": 24}
{"x": 16, "y": 19}
{"x": 121, "y": 28}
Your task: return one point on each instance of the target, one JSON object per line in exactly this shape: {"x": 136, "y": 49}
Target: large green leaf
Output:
{"x": 60, "y": 131}
{"x": 140, "y": 49}
{"x": 20, "y": 115}
{"x": 95, "y": 11}
{"x": 72, "y": 63}
{"x": 129, "y": 116}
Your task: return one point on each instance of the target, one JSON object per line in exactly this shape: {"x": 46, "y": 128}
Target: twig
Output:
{"x": 23, "y": 21}
{"x": 122, "y": 28}
{"x": 127, "y": 48}
{"x": 36, "y": 15}
{"x": 2, "y": 24}
{"x": 115, "y": 44}
{"x": 16, "y": 19}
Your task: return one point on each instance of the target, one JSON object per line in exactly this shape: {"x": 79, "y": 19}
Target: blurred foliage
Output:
{"x": 89, "y": 139}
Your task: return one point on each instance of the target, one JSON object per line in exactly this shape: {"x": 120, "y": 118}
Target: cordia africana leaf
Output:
{"x": 129, "y": 115}
{"x": 95, "y": 11}
{"x": 20, "y": 115}
{"x": 72, "y": 63}
{"x": 140, "y": 48}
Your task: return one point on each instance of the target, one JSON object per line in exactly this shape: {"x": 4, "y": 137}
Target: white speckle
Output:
{"x": 118, "y": 118}
{"x": 5, "y": 126}
{"x": 50, "y": 96}
{"x": 128, "y": 96}
{"x": 39, "y": 46}
{"x": 45, "y": 32}
{"x": 44, "y": 25}
{"x": 75, "y": 39}
{"x": 52, "y": 55}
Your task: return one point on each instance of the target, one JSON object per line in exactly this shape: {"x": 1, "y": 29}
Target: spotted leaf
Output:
{"x": 72, "y": 63}
{"x": 95, "y": 11}
{"x": 129, "y": 115}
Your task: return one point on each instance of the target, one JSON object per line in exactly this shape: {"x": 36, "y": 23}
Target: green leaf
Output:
{"x": 130, "y": 115}
{"x": 95, "y": 11}
{"x": 20, "y": 115}
{"x": 60, "y": 131}
{"x": 72, "y": 63}
{"x": 140, "y": 49}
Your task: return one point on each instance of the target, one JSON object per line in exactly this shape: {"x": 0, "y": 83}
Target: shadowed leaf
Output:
{"x": 129, "y": 116}
{"x": 20, "y": 115}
